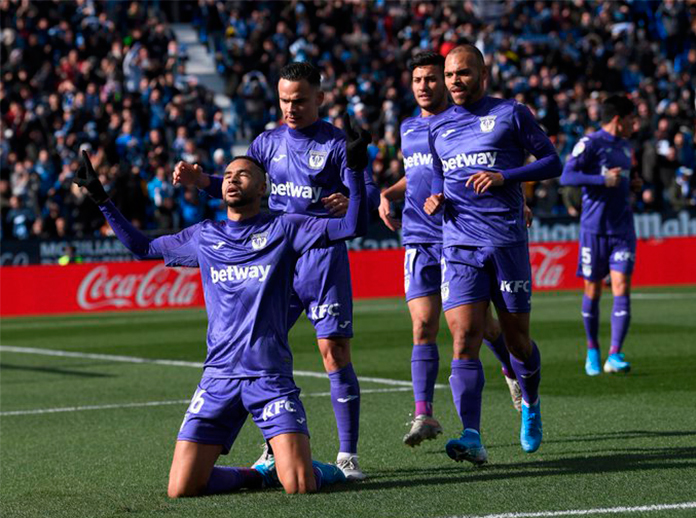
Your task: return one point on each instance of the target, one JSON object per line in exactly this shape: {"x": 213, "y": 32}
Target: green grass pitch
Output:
{"x": 609, "y": 441}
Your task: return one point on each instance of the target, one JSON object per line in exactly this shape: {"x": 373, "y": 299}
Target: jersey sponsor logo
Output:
{"x": 278, "y": 158}
{"x": 218, "y": 246}
{"x": 346, "y": 399}
{"x": 292, "y": 190}
{"x": 417, "y": 159}
{"x": 488, "y": 123}
{"x": 409, "y": 131}
{"x": 485, "y": 159}
{"x": 515, "y": 286}
{"x": 240, "y": 273}
{"x": 317, "y": 159}
{"x": 323, "y": 310}
{"x": 447, "y": 133}
{"x": 277, "y": 407}
{"x": 258, "y": 241}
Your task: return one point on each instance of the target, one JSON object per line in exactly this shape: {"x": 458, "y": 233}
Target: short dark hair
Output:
{"x": 468, "y": 47}
{"x": 252, "y": 160}
{"x": 426, "y": 58}
{"x": 299, "y": 71}
{"x": 616, "y": 105}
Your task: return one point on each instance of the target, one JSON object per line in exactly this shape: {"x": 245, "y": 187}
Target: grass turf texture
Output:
{"x": 613, "y": 440}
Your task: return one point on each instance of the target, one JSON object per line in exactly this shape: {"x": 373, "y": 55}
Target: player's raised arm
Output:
{"x": 356, "y": 159}
{"x": 178, "y": 250}
{"x": 577, "y": 168}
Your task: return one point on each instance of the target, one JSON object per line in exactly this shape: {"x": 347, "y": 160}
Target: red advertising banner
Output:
{"x": 36, "y": 290}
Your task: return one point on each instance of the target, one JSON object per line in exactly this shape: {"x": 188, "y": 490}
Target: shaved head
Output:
{"x": 469, "y": 48}
{"x": 465, "y": 74}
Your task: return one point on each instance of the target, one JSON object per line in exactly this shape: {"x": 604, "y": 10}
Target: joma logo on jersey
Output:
{"x": 306, "y": 192}
{"x": 514, "y": 286}
{"x": 240, "y": 273}
{"x": 275, "y": 408}
{"x": 317, "y": 159}
{"x": 486, "y": 159}
{"x": 258, "y": 241}
{"x": 322, "y": 310}
{"x": 417, "y": 159}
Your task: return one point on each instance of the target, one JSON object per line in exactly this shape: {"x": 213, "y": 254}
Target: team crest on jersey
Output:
{"x": 444, "y": 291}
{"x": 317, "y": 159}
{"x": 488, "y": 123}
{"x": 258, "y": 241}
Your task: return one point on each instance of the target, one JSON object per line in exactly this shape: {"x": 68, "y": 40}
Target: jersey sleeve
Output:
{"x": 180, "y": 249}
{"x": 438, "y": 181}
{"x": 534, "y": 140}
{"x": 372, "y": 191}
{"x": 305, "y": 232}
{"x": 577, "y": 170}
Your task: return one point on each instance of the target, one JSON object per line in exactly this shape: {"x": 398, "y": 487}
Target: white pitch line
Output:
{"x": 586, "y": 512}
{"x": 40, "y": 411}
{"x": 177, "y": 363}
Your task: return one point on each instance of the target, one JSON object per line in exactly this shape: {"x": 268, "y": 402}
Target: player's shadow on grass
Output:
{"x": 54, "y": 370}
{"x": 637, "y": 460}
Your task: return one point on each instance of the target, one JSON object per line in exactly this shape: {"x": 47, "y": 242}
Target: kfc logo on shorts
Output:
{"x": 317, "y": 159}
{"x": 514, "y": 286}
{"x": 258, "y": 241}
{"x": 444, "y": 291}
{"x": 323, "y": 310}
{"x": 623, "y": 256}
{"x": 276, "y": 407}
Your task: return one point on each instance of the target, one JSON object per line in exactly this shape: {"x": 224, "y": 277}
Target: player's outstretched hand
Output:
{"x": 528, "y": 216}
{"x": 336, "y": 204}
{"x": 384, "y": 210}
{"x": 434, "y": 203}
{"x": 356, "y": 145}
{"x": 484, "y": 180}
{"x": 87, "y": 178}
{"x": 189, "y": 174}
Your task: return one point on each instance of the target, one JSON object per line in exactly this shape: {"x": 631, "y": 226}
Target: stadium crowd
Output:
{"x": 112, "y": 76}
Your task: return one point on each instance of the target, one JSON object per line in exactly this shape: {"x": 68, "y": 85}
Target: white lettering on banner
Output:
{"x": 485, "y": 159}
{"x": 548, "y": 272}
{"x": 296, "y": 191}
{"x": 154, "y": 288}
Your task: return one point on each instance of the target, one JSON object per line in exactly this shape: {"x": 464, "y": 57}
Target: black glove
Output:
{"x": 87, "y": 178}
{"x": 356, "y": 145}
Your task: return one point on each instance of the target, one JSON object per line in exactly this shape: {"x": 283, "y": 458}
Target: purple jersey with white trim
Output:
{"x": 605, "y": 210}
{"x": 489, "y": 135}
{"x": 247, "y": 271}
{"x": 305, "y": 166}
{"x": 417, "y": 226}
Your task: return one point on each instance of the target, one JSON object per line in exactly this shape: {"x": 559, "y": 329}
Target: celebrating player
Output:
{"x": 601, "y": 164}
{"x": 422, "y": 238}
{"x": 247, "y": 265}
{"x": 308, "y": 163}
{"x": 479, "y": 148}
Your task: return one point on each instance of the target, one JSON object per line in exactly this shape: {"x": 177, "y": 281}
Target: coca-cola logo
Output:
{"x": 160, "y": 286}
{"x": 547, "y": 268}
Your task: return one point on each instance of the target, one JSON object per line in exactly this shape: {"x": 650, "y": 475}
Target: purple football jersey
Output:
{"x": 417, "y": 226}
{"x": 605, "y": 210}
{"x": 488, "y": 135}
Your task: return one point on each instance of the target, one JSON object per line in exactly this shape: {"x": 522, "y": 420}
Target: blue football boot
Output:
{"x": 468, "y": 447}
{"x": 616, "y": 363}
{"x": 530, "y": 431}
{"x": 593, "y": 363}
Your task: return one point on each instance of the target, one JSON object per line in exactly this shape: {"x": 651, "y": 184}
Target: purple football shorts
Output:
{"x": 422, "y": 274}
{"x": 600, "y": 254}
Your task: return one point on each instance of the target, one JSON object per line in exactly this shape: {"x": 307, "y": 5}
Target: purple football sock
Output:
{"x": 501, "y": 352}
{"x": 425, "y": 362}
{"x": 224, "y": 479}
{"x": 529, "y": 375}
{"x": 467, "y": 382}
{"x": 590, "y": 317}
{"x": 345, "y": 398}
{"x": 620, "y": 320}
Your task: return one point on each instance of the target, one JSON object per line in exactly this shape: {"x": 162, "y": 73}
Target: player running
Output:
{"x": 479, "y": 148}
{"x": 247, "y": 264}
{"x": 422, "y": 238}
{"x": 601, "y": 164}
{"x": 308, "y": 163}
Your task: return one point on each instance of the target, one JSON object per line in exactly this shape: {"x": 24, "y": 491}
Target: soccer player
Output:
{"x": 308, "y": 162}
{"x": 601, "y": 164}
{"x": 422, "y": 238}
{"x": 247, "y": 264}
{"x": 479, "y": 149}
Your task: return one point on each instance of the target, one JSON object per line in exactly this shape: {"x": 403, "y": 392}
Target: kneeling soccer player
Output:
{"x": 247, "y": 264}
